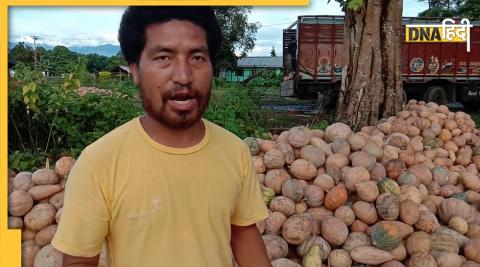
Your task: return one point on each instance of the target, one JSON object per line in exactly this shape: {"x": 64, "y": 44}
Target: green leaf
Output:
{"x": 354, "y": 4}
{"x": 33, "y": 86}
{"x": 25, "y": 89}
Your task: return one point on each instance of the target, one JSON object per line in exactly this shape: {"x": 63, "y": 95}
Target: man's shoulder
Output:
{"x": 220, "y": 134}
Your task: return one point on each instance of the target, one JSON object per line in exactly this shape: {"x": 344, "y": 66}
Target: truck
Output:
{"x": 442, "y": 72}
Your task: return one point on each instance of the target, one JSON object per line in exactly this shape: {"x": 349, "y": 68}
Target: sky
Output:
{"x": 90, "y": 26}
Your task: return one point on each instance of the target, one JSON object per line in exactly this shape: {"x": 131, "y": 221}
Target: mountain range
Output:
{"x": 104, "y": 50}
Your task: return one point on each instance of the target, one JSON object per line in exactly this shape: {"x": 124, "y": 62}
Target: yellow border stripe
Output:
{"x": 10, "y": 240}
{"x": 156, "y": 2}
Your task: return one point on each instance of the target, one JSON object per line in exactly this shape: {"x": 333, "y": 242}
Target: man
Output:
{"x": 167, "y": 188}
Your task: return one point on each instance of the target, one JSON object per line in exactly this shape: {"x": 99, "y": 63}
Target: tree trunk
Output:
{"x": 371, "y": 80}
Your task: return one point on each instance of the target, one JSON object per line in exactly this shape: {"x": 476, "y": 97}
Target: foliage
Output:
{"x": 352, "y": 5}
{"x": 238, "y": 34}
{"x": 452, "y": 8}
{"x": 322, "y": 125}
{"x": 469, "y": 9}
{"x": 266, "y": 79}
{"x": 63, "y": 122}
{"x": 104, "y": 75}
{"x": 234, "y": 109}
{"x": 22, "y": 53}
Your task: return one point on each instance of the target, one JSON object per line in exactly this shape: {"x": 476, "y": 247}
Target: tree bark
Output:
{"x": 371, "y": 85}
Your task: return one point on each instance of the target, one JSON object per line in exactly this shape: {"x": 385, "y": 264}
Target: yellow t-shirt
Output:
{"x": 157, "y": 205}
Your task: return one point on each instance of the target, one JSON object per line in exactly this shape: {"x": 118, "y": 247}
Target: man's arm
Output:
{"x": 72, "y": 261}
{"x": 248, "y": 247}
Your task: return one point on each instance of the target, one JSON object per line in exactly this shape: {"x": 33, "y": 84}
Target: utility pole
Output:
{"x": 35, "y": 38}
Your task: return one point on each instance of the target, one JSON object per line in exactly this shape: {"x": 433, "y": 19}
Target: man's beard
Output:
{"x": 181, "y": 119}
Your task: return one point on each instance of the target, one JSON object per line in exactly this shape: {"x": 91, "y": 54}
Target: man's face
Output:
{"x": 174, "y": 73}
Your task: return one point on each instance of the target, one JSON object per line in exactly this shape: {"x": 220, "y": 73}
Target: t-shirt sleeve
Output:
{"x": 84, "y": 223}
{"x": 250, "y": 207}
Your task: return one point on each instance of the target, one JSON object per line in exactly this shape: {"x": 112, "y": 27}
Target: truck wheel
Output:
{"x": 471, "y": 106}
{"x": 436, "y": 94}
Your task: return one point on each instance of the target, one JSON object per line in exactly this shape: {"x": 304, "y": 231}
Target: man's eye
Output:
{"x": 199, "y": 58}
{"x": 163, "y": 58}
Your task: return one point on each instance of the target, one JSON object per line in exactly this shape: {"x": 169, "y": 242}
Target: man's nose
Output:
{"x": 182, "y": 72}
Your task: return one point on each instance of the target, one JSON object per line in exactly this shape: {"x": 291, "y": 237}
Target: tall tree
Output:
{"x": 371, "y": 85}
{"x": 272, "y": 52}
{"x": 469, "y": 9}
{"x": 21, "y": 52}
{"x": 59, "y": 58}
{"x": 238, "y": 34}
{"x": 452, "y": 8}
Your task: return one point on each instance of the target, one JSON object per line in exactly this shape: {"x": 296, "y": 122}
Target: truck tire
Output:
{"x": 436, "y": 94}
{"x": 471, "y": 105}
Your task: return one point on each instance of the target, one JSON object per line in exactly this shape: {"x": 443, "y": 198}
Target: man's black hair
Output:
{"x": 132, "y": 36}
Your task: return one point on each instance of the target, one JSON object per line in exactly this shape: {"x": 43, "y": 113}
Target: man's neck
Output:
{"x": 178, "y": 138}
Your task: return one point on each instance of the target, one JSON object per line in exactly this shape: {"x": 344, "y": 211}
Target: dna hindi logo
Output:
{"x": 448, "y": 31}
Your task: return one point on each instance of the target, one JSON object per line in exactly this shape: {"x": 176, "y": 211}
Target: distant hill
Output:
{"x": 104, "y": 50}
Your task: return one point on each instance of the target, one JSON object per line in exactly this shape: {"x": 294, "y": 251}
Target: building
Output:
{"x": 249, "y": 65}
{"x": 11, "y": 71}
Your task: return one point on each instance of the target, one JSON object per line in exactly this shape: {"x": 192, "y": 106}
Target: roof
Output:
{"x": 125, "y": 68}
{"x": 262, "y": 62}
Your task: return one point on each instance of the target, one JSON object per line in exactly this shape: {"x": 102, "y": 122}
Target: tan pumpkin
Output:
{"x": 367, "y": 190}
{"x": 356, "y": 141}
{"x": 355, "y": 175}
{"x": 370, "y": 255}
{"x": 287, "y": 150}
{"x": 339, "y": 258}
{"x": 45, "y": 176}
{"x": 422, "y": 260}
{"x": 297, "y": 228}
{"x": 387, "y": 206}
{"x": 313, "y": 154}
{"x": 454, "y": 207}
{"x": 472, "y": 250}
{"x": 448, "y": 259}
{"x": 19, "y": 203}
{"x": 365, "y": 212}
{"x": 409, "y": 211}
{"x": 334, "y": 230}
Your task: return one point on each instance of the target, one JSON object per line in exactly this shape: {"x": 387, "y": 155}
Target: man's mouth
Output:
{"x": 182, "y": 102}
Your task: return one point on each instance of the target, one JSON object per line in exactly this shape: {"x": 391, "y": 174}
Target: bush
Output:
{"x": 267, "y": 78}
{"x": 63, "y": 122}
{"x": 104, "y": 75}
{"x": 234, "y": 109}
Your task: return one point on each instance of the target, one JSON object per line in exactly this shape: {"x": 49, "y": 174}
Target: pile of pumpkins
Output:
{"x": 35, "y": 205}
{"x": 402, "y": 193}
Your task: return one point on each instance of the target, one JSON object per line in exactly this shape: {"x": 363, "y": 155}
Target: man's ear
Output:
{"x": 134, "y": 70}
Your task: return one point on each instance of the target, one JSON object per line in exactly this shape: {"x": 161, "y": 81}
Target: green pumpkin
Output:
{"x": 313, "y": 257}
{"x": 461, "y": 195}
{"x": 386, "y": 236}
{"x": 432, "y": 143}
{"x": 440, "y": 174}
{"x": 253, "y": 145}
{"x": 268, "y": 194}
{"x": 476, "y": 151}
{"x": 407, "y": 177}
{"x": 388, "y": 185}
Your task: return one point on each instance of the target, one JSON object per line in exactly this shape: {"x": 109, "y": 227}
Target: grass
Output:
{"x": 273, "y": 119}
